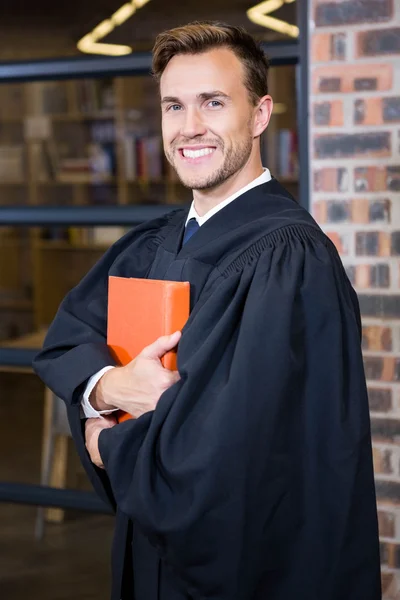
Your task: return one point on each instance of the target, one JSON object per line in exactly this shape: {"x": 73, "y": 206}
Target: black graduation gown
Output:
{"x": 252, "y": 479}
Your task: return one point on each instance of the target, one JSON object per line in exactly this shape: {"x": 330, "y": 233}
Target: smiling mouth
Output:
{"x": 192, "y": 154}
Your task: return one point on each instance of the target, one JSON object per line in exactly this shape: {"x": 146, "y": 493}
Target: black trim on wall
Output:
{"x": 42, "y": 216}
{"x": 302, "y": 75}
{"x": 137, "y": 63}
{"x": 17, "y": 357}
{"x": 40, "y": 495}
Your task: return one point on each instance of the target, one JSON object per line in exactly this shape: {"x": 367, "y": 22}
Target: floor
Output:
{"x": 72, "y": 561}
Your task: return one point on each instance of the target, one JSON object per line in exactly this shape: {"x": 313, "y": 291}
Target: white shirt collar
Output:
{"x": 263, "y": 178}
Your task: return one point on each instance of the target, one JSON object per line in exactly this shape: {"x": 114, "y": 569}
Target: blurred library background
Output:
{"x": 80, "y": 129}
{"x": 81, "y": 161}
{"x": 92, "y": 142}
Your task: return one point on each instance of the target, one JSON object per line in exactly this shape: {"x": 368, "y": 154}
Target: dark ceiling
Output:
{"x": 155, "y": 16}
{"x": 70, "y": 20}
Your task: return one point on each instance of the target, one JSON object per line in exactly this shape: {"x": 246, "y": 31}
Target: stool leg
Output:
{"x": 47, "y": 454}
{"x": 58, "y": 477}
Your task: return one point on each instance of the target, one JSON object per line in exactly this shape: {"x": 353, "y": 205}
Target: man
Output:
{"x": 247, "y": 475}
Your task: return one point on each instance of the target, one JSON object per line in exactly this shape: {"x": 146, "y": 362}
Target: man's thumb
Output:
{"x": 161, "y": 346}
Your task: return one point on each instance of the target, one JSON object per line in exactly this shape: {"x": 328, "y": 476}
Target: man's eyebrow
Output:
{"x": 213, "y": 94}
{"x": 202, "y": 96}
{"x": 168, "y": 99}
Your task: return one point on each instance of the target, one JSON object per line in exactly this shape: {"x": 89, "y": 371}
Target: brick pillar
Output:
{"x": 355, "y": 196}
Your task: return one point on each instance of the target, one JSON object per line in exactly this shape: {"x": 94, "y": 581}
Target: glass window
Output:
{"x": 83, "y": 142}
{"x": 98, "y": 142}
{"x": 94, "y": 142}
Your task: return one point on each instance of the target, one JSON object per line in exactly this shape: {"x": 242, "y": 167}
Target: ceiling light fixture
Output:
{"x": 259, "y": 14}
{"x": 90, "y": 42}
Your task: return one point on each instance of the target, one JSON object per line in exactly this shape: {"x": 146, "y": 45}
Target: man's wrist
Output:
{"x": 99, "y": 397}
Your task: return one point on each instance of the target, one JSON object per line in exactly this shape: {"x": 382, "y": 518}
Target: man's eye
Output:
{"x": 215, "y": 104}
{"x": 174, "y": 107}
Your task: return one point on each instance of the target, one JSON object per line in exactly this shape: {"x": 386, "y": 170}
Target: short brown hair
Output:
{"x": 201, "y": 36}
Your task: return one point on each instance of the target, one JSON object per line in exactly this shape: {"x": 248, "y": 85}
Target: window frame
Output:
{"x": 281, "y": 53}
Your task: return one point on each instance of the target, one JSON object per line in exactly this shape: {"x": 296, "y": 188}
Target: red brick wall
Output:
{"x": 355, "y": 196}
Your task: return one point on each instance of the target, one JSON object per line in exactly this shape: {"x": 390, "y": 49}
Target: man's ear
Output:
{"x": 263, "y": 115}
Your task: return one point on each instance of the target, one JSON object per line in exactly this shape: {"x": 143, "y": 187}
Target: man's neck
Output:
{"x": 205, "y": 200}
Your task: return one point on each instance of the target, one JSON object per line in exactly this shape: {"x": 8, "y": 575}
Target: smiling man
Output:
{"x": 212, "y": 136}
{"x": 247, "y": 474}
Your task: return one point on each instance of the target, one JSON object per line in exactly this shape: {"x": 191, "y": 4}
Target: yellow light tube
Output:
{"x": 89, "y": 43}
{"x": 106, "y": 49}
{"x": 103, "y": 29}
{"x": 123, "y": 13}
{"x": 259, "y": 14}
{"x": 272, "y": 23}
{"x": 267, "y": 6}
{"x": 87, "y": 40}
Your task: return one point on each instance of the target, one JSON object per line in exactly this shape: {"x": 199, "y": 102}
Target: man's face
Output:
{"x": 207, "y": 117}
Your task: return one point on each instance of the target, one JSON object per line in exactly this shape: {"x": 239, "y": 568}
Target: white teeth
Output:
{"x": 197, "y": 153}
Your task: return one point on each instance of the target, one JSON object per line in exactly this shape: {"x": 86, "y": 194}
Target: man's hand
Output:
{"x": 93, "y": 428}
{"x": 137, "y": 387}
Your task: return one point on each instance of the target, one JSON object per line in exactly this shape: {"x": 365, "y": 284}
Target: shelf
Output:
{"x": 13, "y": 183}
{"x": 28, "y": 340}
{"x": 105, "y": 115}
{"x": 60, "y": 245}
{"x": 142, "y": 181}
{"x": 16, "y": 305}
{"x": 109, "y": 180}
{"x": 78, "y": 116}
{"x": 12, "y": 120}
{"x": 11, "y": 242}
{"x": 83, "y": 181}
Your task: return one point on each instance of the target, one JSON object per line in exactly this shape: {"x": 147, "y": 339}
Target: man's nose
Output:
{"x": 193, "y": 124}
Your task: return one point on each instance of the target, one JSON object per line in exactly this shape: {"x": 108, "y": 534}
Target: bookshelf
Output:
{"x": 89, "y": 142}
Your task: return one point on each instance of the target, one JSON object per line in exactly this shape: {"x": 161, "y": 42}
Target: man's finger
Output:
{"x": 108, "y": 421}
{"x": 176, "y": 375}
{"x": 161, "y": 346}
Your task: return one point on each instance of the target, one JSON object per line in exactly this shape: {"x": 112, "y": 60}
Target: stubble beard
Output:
{"x": 235, "y": 158}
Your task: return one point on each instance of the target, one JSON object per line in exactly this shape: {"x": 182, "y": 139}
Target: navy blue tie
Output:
{"x": 191, "y": 227}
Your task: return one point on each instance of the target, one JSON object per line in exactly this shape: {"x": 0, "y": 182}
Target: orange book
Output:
{"x": 139, "y": 312}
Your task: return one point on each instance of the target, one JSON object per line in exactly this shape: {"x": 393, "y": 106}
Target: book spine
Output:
{"x": 176, "y": 315}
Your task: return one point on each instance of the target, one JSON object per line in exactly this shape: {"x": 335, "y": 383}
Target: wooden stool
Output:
{"x": 56, "y": 432}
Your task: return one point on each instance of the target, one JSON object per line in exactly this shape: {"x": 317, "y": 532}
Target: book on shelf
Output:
{"x": 105, "y": 236}
{"x": 44, "y": 160}
{"x": 96, "y": 95}
{"x": 50, "y": 165}
{"x": 84, "y": 236}
{"x": 48, "y": 98}
{"x": 92, "y": 95}
{"x": 12, "y": 101}
{"x": 12, "y": 163}
{"x": 288, "y": 164}
{"x": 143, "y": 157}
{"x": 280, "y": 153}
{"x": 95, "y": 236}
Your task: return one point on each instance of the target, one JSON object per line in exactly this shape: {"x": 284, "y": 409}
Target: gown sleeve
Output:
{"x": 75, "y": 346}
{"x": 253, "y": 463}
